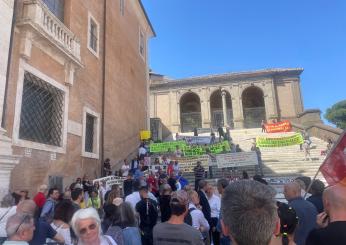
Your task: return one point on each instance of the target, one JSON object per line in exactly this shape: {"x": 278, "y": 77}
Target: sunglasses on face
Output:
{"x": 91, "y": 227}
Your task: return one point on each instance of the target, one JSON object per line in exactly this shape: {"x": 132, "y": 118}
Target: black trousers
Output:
{"x": 214, "y": 234}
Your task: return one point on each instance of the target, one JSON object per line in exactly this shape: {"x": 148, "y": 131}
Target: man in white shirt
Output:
{"x": 142, "y": 151}
{"x": 198, "y": 220}
{"x": 125, "y": 168}
{"x": 134, "y": 197}
{"x": 215, "y": 206}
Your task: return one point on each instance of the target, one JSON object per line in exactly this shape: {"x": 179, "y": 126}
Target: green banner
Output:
{"x": 218, "y": 148}
{"x": 167, "y": 146}
{"x": 188, "y": 150}
{"x": 295, "y": 139}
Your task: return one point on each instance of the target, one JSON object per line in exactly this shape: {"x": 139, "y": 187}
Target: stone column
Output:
{"x": 224, "y": 107}
{"x": 7, "y": 160}
{"x": 237, "y": 106}
{"x": 205, "y": 108}
{"x": 270, "y": 101}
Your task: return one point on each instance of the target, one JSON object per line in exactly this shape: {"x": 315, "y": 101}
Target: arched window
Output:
{"x": 253, "y": 107}
{"x": 190, "y": 112}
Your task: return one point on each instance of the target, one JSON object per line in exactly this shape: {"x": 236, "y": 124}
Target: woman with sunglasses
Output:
{"x": 86, "y": 224}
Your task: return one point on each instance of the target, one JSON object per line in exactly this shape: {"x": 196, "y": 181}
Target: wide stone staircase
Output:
{"x": 278, "y": 163}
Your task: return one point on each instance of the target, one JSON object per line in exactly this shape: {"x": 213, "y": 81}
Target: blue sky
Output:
{"x": 199, "y": 37}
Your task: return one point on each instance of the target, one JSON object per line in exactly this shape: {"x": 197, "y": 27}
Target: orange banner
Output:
{"x": 284, "y": 126}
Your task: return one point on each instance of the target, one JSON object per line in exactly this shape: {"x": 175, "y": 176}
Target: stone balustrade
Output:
{"x": 37, "y": 14}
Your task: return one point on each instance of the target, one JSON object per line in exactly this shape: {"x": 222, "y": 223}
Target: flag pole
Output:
{"x": 309, "y": 187}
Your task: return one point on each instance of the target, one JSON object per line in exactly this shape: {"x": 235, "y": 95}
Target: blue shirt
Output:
{"x": 317, "y": 201}
{"x": 306, "y": 213}
{"x": 138, "y": 174}
{"x": 43, "y": 230}
{"x": 131, "y": 236}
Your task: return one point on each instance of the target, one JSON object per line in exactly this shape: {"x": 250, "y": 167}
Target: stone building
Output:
{"x": 77, "y": 87}
{"x": 238, "y": 100}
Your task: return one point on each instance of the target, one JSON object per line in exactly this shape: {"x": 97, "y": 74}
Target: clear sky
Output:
{"x": 200, "y": 37}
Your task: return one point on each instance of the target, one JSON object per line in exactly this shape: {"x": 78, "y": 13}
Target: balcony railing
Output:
{"x": 36, "y": 14}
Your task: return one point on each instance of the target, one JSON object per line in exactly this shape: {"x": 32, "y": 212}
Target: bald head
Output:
{"x": 292, "y": 190}
{"x": 335, "y": 197}
{"x": 26, "y": 207}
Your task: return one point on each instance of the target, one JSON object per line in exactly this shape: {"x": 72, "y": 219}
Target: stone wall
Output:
{"x": 280, "y": 89}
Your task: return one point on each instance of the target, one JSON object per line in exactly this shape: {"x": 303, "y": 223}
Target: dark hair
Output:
{"x": 51, "y": 190}
{"x": 176, "y": 207}
{"x": 306, "y": 180}
{"x": 258, "y": 178}
{"x": 75, "y": 193}
{"x": 222, "y": 183}
{"x": 249, "y": 210}
{"x": 125, "y": 217}
{"x": 245, "y": 175}
{"x": 136, "y": 185}
{"x": 317, "y": 187}
{"x": 16, "y": 197}
{"x": 288, "y": 221}
{"x": 64, "y": 211}
{"x": 202, "y": 183}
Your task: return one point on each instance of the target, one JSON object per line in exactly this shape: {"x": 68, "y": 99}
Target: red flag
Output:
{"x": 334, "y": 166}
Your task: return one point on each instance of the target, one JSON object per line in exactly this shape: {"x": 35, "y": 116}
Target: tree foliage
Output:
{"x": 337, "y": 114}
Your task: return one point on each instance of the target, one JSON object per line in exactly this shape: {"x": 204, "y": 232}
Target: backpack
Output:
{"x": 188, "y": 217}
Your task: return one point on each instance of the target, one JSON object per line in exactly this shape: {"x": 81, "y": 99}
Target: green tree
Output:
{"x": 337, "y": 114}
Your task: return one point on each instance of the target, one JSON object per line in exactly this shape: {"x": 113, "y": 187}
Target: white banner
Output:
{"x": 238, "y": 159}
{"x": 187, "y": 164}
{"x": 105, "y": 179}
{"x": 119, "y": 181}
{"x": 196, "y": 140}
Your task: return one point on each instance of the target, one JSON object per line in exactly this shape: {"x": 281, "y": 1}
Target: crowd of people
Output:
{"x": 149, "y": 211}
{"x": 162, "y": 207}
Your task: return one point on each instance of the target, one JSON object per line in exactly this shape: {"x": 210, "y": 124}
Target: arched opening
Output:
{"x": 216, "y": 109}
{"x": 253, "y": 107}
{"x": 190, "y": 112}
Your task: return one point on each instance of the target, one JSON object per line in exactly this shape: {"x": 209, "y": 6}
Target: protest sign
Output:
{"x": 237, "y": 159}
{"x": 104, "y": 179}
{"x": 334, "y": 166}
{"x": 186, "y": 164}
{"x": 196, "y": 140}
{"x": 145, "y": 134}
{"x": 117, "y": 181}
{"x": 295, "y": 139}
{"x": 166, "y": 146}
{"x": 284, "y": 126}
{"x": 212, "y": 160}
{"x": 202, "y": 150}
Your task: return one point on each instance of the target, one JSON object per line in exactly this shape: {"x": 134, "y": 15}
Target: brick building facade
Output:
{"x": 77, "y": 88}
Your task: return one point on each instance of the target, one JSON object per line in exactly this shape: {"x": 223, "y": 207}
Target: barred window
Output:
{"x": 41, "y": 118}
{"x": 89, "y": 133}
{"x": 56, "y": 7}
{"x": 93, "y": 35}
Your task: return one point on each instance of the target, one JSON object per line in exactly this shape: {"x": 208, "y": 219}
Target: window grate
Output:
{"x": 89, "y": 133}
{"x": 41, "y": 117}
